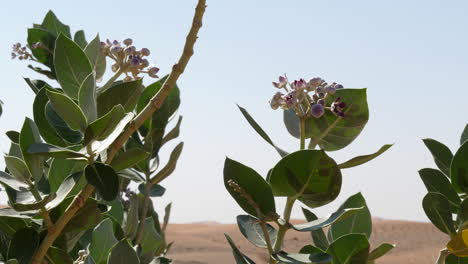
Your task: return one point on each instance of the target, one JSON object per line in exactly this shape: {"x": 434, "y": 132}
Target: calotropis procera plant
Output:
{"x": 446, "y": 203}
{"x": 80, "y": 175}
{"x": 331, "y": 117}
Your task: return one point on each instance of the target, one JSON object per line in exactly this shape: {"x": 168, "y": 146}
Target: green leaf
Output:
{"x": 103, "y": 127}
{"x": 452, "y": 259}
{"x": 464, "y": 135}
{"x": 64, "y": 190}
{"x": 380, "y": 251}
{"x": 42, "y": 55}
{"x": 71, "y": 65}
{"x": 25, "y": 207}
{"x": 174, "y": 133}
{"x": 11, "y": 182}
{"x": 47, "y": 132}
{"x": 339, "y": 215}
{"x": 350, "y": 249}
{"x": 360, "y": 222}
{"x": 363, "y": 159}
{"x": 87, "y": 97}
{"x": 35, "y": 85}
{"x": 286, "y": 258}
{"x": 332, "y": 133}
{"x": 167, "y": 214}
{"x": 80, "y": 39}
{"x": 61, "y": 169}
{"x": 123, "y": 93}
{"x": 18, "y": 168}
{"x": 54, "y": 26}
{"x": 436, "y": 181}
{"x": 13, "y": 136}
{"x": 68, "y": 110}
{"x": 30, "y": 135}
{"x": 156, "y": 190}
{"x": 55, "y": 152}
{"x": 238, "y": 256}
{"x": 252, "y": 185}
{"x": 21, "y": 251}
{"x": 86, "y": 218}
{"x": 170, "y": 166}
{"x": 123, "y": 253}
{"x": 437, "y": 209}
{"x": 100, "y": 145}
{"x": 103, "y": 240}
{"x": 61, "y": 127}
{"x": 459, "y": 169}
{"x": 40, "y": 70}
{"x": 318, "y": 236}
{"x": 58, "y": 256}
{"x": 462, "y": 213}
{"x": 131, "y": 174}
{"x": 441, "y": 153}
{"x": 251, "y": 228}
{"x": 128, "y": 158}
{"x": 260, "y": 131}
{"x": 150, "y": 240}
{"x": 310, "y": 175}
{"x": 97, "y": 58}
{"x": 104, "y": 178}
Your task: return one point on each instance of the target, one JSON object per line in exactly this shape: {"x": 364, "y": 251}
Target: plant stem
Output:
{"x": 144, "y": 212}
{"x": 284, "y": 228}
{"x": 303, "y": 136}
{"x": 154, "y": 104}
{"x": 45, "y": 214}
{"x": 110, "y": 81}
{"x": 442, "y": 255}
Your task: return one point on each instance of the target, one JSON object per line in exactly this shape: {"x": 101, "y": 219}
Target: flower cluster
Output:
{"x": 20, "y": 52}
{"x": 128, "y": 59}
{"x": 307, "y": 98}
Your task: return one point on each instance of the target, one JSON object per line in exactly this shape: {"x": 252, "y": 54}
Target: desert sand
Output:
{"x": 417, "y": 243}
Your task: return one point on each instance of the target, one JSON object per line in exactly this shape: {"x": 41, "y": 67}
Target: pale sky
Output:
{"x": 412, "y": 56}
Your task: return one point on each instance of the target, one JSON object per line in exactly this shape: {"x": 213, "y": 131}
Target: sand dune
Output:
{"x": 417, "y": 243}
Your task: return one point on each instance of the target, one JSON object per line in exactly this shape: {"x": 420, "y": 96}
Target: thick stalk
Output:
{"x": 144, "y": 212}
{"x": 285, "y": 227}
{"x": 303, "y": 136}
{"x": 268, "y": 241}
{"x": 109, "y": 83}
{"x": 154, "y": 104}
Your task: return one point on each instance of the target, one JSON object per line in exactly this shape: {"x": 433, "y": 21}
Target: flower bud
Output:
{"x": 321, "y": 101}
{"x": 145, "y": 52}
{"x": 276, "y": 100}
{"x": 115, "y": 67}
{"x": 330, "y": 90}
{"x": 144, "y": 63}
{"x": 282, "y": 82}
{"x": 152, "y": 71}
{"x": 317, "y": 110}
{"x": 115, "y": 50}
{"x": 128, "y": 41}
{"x": 135, "y": 61}
{"x": 129, "y": 50}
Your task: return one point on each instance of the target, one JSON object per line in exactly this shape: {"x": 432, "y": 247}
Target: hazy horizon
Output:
{"x": 412, "y": 57}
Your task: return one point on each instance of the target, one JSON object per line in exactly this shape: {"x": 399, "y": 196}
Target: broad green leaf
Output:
{"x": 30, "y": 135}
{"x": 170, "y": 166}
{"x": 341, "y": 214}
{"x": 103, "y": 240}
{"x": 42, "y": 55}
{"x": 13, "y": 136}
{"x": 131, "y": 174}
{"x": 71, "y": 65}
{"x": 310, "y": 249}
{"x": 128, "y": 159}
{"x": 116, "y": 211}
{"x": 64, "y": 190}
{"x": 174, "y": 133}
{"x": 101, "y": 145}
{"x": 123, "y": 253}
{"x": 104, "y": 178}
{"x": 35, "y": 85}
{"x": 451, "y": 259}
{"x": 61, "y": 169}
{"x": 18, "y": 168}
{"x": 436, "y": 181}
{"x": 441, "y": 153}
{"x": 103, "y": 127}
{"x": 86, "y": 218}
{"x": 55, "y": 152}
{"x": 464, "y": 135}
{"x": 150, "y": 240}
{"x": 260, "y": 131}
{"x": 251, "y": 228}
{"x": 12, "y": 221}
{"x": 155, "y": 191}
{"x": 318, "y": 236}
{"x": 437, "y": 209}
{"x": 68, "y": 110}
{"x": 58, "y": 256}
{"x": 21, "y": 251}
{"x": 462, "y": 213}
{"x": 47, "y": 132}
{"x": 363, "y": 159}
{"x": 40, "y": 70}
{"x": 459, "y": 169}
{"x": 310, "y": 175}
{"x": 131, "y": 223}
{"x": 300, "y": 258}
{"x": 15, "y": 151}
{"x": 54, "y": 26}
{"x": 249, "y": 189}
{"x": 123, "y": 93}
{"x": 332, "y": 133}
{"x": 87, "y": 97}
{"x": 33, "y": 206}
{"x": 238, "y": 256}
{"x": 350, "y": 249}
{"x": 80, "y": 39}
{"x": 61, "y": 127}
{"x": 380, "y": 251}
{"x": 11, "y": 182}
{"x": 97, "y": 58}
{"x": 359, "y": 222}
